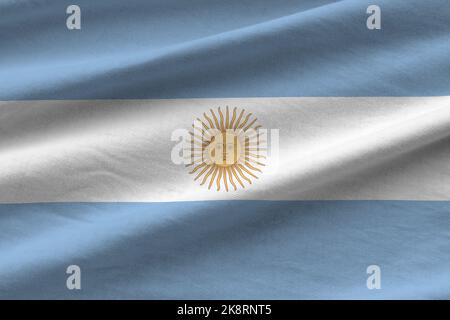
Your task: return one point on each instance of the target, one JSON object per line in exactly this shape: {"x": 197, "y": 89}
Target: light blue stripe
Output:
{"x": 226, "y": 249}
{"x": 236, "y": 48}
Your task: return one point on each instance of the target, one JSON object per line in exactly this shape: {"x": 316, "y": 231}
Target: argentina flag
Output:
{"x": 210, "y": 149}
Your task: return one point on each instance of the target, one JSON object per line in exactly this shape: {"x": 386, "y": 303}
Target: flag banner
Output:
{"x": 170, "y": 149}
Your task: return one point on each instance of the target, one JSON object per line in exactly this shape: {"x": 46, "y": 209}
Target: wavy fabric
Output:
{"x": 227, "y": 250}
{"x": 120, "y": 150}
{"x": 215, "y": 49}
{"x": 86, "y": 123}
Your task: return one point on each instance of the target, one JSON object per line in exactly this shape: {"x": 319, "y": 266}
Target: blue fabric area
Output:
{"x": 226, "y": 249}
{"x": 214, "y": 48}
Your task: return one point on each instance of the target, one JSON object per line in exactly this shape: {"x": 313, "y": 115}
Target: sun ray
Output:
{"x": 203, "y": 124}
{"x": 248, "y": 126}
{"x": 245, "y": 121}
{"x": 198, "y": 167}
{"x": 215, "y": 119}
{"x": 248, "y": 165}
{"x": 239, "y": 119}
{"x": 247, "y": 171}
{"x": 219, "y": 177}
{"x": 222, "y": 125}
{"x": 225, "y": 178}
{"x": 193, "y": 162}
{"x": 227, "y": 121}
{"x": 207, "y": 175}
{"x": 195, "y": 136}
{"x": 201, "y": 172}
{"x": 243, "y": 175}
{"x": 255, "y": 162}
{"x": 211, "y": 124}
{"x": 237, "y": 177}
{"x": 233, "y": 118}
{"x": 230, "y": 177}
{"x": 205, "y": 134}
{"x": 213, "y": 176}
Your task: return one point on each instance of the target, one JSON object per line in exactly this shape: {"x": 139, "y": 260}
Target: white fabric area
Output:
{"x": 377, "y": 148}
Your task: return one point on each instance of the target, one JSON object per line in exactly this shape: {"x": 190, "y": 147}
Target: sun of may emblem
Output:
{"x": 226, "y": 148}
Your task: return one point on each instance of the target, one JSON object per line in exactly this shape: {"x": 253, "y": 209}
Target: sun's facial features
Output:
{"x": 225, "y": 149}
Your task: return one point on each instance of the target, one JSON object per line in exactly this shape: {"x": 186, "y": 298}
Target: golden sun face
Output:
{"x": 225, "y": 149}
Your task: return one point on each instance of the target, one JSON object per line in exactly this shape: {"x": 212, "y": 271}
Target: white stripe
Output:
{"x": 330, "y": 148}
